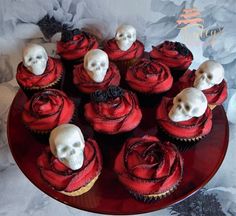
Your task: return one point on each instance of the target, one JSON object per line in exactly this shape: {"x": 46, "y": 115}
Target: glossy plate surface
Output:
{"x": 201, "y": 162}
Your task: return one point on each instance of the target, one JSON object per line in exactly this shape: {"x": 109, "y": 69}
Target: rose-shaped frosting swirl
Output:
{"x": 116, "y": 115}
{"x": 47, "y": 109}
{"x": 149, "y": 76}
{"x": 192, "y": 128}
{"x": 77, "y": 47}
{"x": 86, "y": 85}
{"x": 216, "y": 95}
{"x": 63, "y": 178}
{"x": 51, "y": 74}
{"x": 147, "y": 166}
{"x": 174, "y": 54}
{"x": 116, "y": 54}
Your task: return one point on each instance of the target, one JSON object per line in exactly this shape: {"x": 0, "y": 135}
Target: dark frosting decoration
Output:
{"x": 68, "y": 35}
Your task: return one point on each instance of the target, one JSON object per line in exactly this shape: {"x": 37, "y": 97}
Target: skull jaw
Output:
{"x": 177, "y": 116}
{"x": 201, "y": 84}
{"x": 74, "y": 162}
{"x": 124, "y": 45}
{"x": 37, "y": 69}
{"x": 97, "y": 76}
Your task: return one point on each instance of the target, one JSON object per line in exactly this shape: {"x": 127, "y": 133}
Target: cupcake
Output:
{"x": 124, "y": 49}
{"x": 38, "y": 71}
{"x": 148, "y": 168}
{"x": 46, "y": 110}
{"x": 185, "y": 117}
{"x": 149, "y": 77}
{"x": 96, "y": 73}
{"x": 173, "y": 54}
{"x": 75, "y": 44}
{"x": 70, "y": 166}
{"x": 209, "y": 78}
{"x": 113, "y": 111}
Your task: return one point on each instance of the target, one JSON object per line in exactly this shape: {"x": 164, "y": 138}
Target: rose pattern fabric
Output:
{"x": 63, "y": 178}
{"x": 48, "y": 109}
{"x": 149, "y": 77}
{"x": 120, "y": 114}
{"x": 52, "y": 73}
{"x": 77, "y": 47}
{"x": 86, "y": 85}
{"x": 116, "y": 54}
{"x": 147, "y": 166}
{"x": 174, "y": 54}
{"x": 192, "y": 128}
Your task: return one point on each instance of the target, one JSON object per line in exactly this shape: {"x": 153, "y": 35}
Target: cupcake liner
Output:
{"x": 212, "y": 106}
{"x": 83, "y": 189}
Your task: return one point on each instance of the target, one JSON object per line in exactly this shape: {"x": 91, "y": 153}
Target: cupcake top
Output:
{"x": 147, "y": 166}
{"x": 149, "y": 76}
{"x": 47, "y": 109}
{"x": 113, "y": 111}
{"x": 124, "y": 46}
{"x": 37, "y": 69}
{"x": 72, "y": 163}
{"x": 174, "y": 54}
{"x": 186, "y": 116}
{"x": 96, "y": 73}
{"x": 75, "y": 44}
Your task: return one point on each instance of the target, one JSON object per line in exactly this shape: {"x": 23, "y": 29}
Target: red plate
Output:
{"x": 108, "y": 196}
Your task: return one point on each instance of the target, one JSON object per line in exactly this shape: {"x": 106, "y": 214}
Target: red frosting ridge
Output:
{"x": 147, "y": 166}
{"x": 86, "y": 85}
{"x": 63, "y": 178}
{"x": 149, "y": 76}
{"x": 114, "y": 116}
{"x": 51, "y": 74}
{"x": 48, "y": 109}
{"x": 116, "y": 54}
{"x": 78, "y": 47}
{"x": 169, "y": 55}
{"x": 192, "y": 128}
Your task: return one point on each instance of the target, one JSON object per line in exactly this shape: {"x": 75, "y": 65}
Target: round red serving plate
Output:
{"x": 108, "y": 196}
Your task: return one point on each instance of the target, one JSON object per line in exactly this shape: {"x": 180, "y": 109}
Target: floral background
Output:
{"x": 211, "y": 35}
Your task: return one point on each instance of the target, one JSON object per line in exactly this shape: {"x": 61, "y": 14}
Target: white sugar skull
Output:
{"x": 190, "y": 102}
{"x": 96, "y": 64}
{"x": 209, "y": 73}
{"x": 35, "y": 58}
{"x": 67, "y": 144}
{"x": 125, "y": 36}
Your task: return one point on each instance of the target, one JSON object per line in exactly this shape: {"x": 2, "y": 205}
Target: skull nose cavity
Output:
{"x": 72, "y": 151}
{"x": 179, "y": 106}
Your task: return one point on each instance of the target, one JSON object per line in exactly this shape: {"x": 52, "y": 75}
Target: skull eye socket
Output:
{"x": 129, "y": 36}
{"x": 39, "y": 57}
{"x": 77, "y": 145}
{"x": 121, "y": 35}
{"x": 64, "y": 149}
{"x": 103, "y": 64}
{"x": 93, "y": 64}
{"x": 187, "y": 107}
{"x": 30, "y": 59}
{"x": 200, "y": 71}
{"x": 179, "y": 100}
{"x": 209, "y": 76}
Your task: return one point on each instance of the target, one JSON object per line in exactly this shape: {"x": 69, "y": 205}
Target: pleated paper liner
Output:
{"x": 83, "y": 189}
{"x": 154, "y": 197}
{"x": 57, "y": 84}
{"x": 212, "y": 106}
{"x": 183, "y": 144}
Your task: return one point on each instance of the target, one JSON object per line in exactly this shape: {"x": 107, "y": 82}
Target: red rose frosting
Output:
{"x": 146, "y": 166}
{"x": 173, "y": 54}
{"x": 192, "y": 128}
{"x": 149, "y": 76}
{"x": 77, "y": 47}
{"x": 63, "y": 178}
{"x": 48, "y": 109}
{"x": 113, "y": 114}
{"x": 86, "y": 85}
{"x": 217, "y": 94}
{"x": 51, "y": 74}
{"x": 116, "y": 54}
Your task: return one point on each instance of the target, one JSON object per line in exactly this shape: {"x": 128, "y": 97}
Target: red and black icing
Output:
{"x": 113, "y": 111}
{"x": 192, "y": 128}
{"x": 52, "y": 73}
{"x": 149, "y": 76}
{"x": 174, "y": 54}
{"x": 216, "y": 95}
{"x": 62, "y": 178}
{"x": 75, "y": 44}
{"x": 85, "y": 84}
{"x": 47, "y": 109}
{"x": 116, "y": 54}
{"x": 147, "y": 166}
